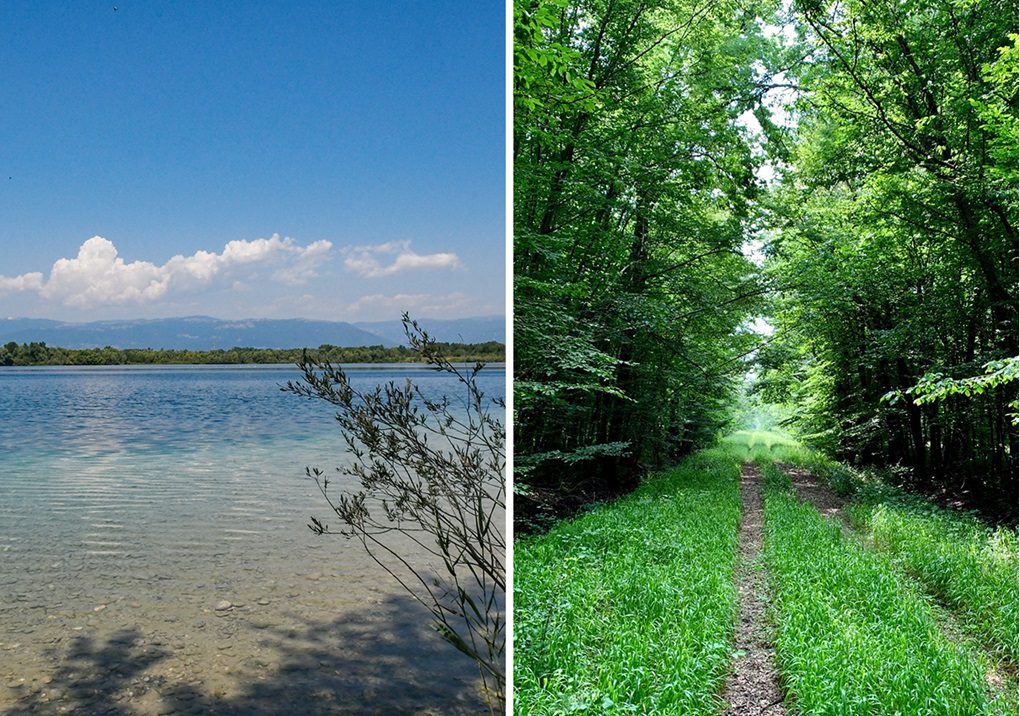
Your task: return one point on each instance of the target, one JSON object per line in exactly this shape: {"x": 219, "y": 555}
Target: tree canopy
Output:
{"x": 633, "y": 184}
{"x": 846, "y": 169}
{"x": 896, "y": 240}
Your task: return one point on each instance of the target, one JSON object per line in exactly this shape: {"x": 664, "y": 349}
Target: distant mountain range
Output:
{"x": 205, "y": 333}
{"x": 451, "y": 330}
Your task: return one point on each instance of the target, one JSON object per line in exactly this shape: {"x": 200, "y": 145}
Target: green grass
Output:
{"x": 966, "y": 565}
{"x": 960, "y": 561}
{"x": 852, "y": 637}
{"x": 763, "y": 445}
{"x": 630, "y": 607}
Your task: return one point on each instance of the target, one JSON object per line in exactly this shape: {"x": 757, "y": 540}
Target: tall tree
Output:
{"x": 632, "y": 178}
{"x": 897, "y": 236}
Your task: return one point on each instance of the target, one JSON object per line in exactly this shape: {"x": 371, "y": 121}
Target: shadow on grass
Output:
{"x": 382, "y": 660}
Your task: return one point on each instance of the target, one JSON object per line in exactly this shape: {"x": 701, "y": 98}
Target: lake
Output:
{"x": 134, "y": 500}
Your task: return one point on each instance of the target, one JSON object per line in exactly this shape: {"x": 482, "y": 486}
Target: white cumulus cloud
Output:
{"x": 98, "y": 276}
{"x": 365, "y": 260}
{"x": 25, "y": 282}
{"x": 304, "y": 266}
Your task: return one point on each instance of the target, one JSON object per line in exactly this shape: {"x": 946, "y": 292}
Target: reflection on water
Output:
{"x": 87, "y": 411}
{"x": 139, "y": 499}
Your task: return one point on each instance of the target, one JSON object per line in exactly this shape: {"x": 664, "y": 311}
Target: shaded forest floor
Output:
{"x": 759, "y": 577}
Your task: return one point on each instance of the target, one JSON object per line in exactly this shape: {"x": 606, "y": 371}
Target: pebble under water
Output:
{"x": 155, "y": 558}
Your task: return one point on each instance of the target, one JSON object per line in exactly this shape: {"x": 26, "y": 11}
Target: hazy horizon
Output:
{"x": 396, "y": 318}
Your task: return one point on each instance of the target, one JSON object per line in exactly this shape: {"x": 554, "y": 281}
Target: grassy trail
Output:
{"x": 939, "y": 548}
{"x": 967, "y": 567}
{"x": 852, "y": 638}
{"x": 657, "y": 603}
{"x": 629, "y": 608}
{"x": 935, "y": 551}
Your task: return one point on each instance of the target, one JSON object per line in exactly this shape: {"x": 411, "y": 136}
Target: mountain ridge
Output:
{"x": 208, "y": 333}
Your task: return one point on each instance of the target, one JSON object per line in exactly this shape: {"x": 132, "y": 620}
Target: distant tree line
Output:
{"x": 26, "y": 354}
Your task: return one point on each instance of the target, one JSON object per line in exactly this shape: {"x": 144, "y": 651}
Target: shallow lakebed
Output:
{"x": 155, "y": 558}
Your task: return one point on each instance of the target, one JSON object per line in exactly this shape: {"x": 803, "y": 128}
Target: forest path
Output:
{"x": 1001, "y": 676}
{"x": 810, "y": 489}
{"x": 753, "y": 685}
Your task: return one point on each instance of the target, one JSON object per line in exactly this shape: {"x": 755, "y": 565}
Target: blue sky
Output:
{"x": 331, "y": 160}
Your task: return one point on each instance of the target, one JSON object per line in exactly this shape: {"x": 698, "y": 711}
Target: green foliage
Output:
{"x": 42, "y": 354}
{"x": 751, "y": 412}
{"x": 852, "y": 638}
{"x": 632, "y": 181}
{"x": 933, "y": 387}
{"x": 895, "y": 241}
{"x": 965, "y": 564}
{"x": 996, "y": 109}
{"x": 763, "y": 446}
{"x": 547, "y": 72}
{"x": 629, "y": 608}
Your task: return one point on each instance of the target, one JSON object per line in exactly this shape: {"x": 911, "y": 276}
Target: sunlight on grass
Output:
{"x": 962, "y": 562}
{"x": 959, "y": 560}
{"x": 629, "y": 608}
{"x": 759, "y": 445}
{"x": 852, "y": 639}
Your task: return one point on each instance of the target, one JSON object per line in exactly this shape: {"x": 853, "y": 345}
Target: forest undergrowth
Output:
{"x": 895, "y": 605}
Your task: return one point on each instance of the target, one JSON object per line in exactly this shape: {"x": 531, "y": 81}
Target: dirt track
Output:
{"x": 753, "y": 686}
